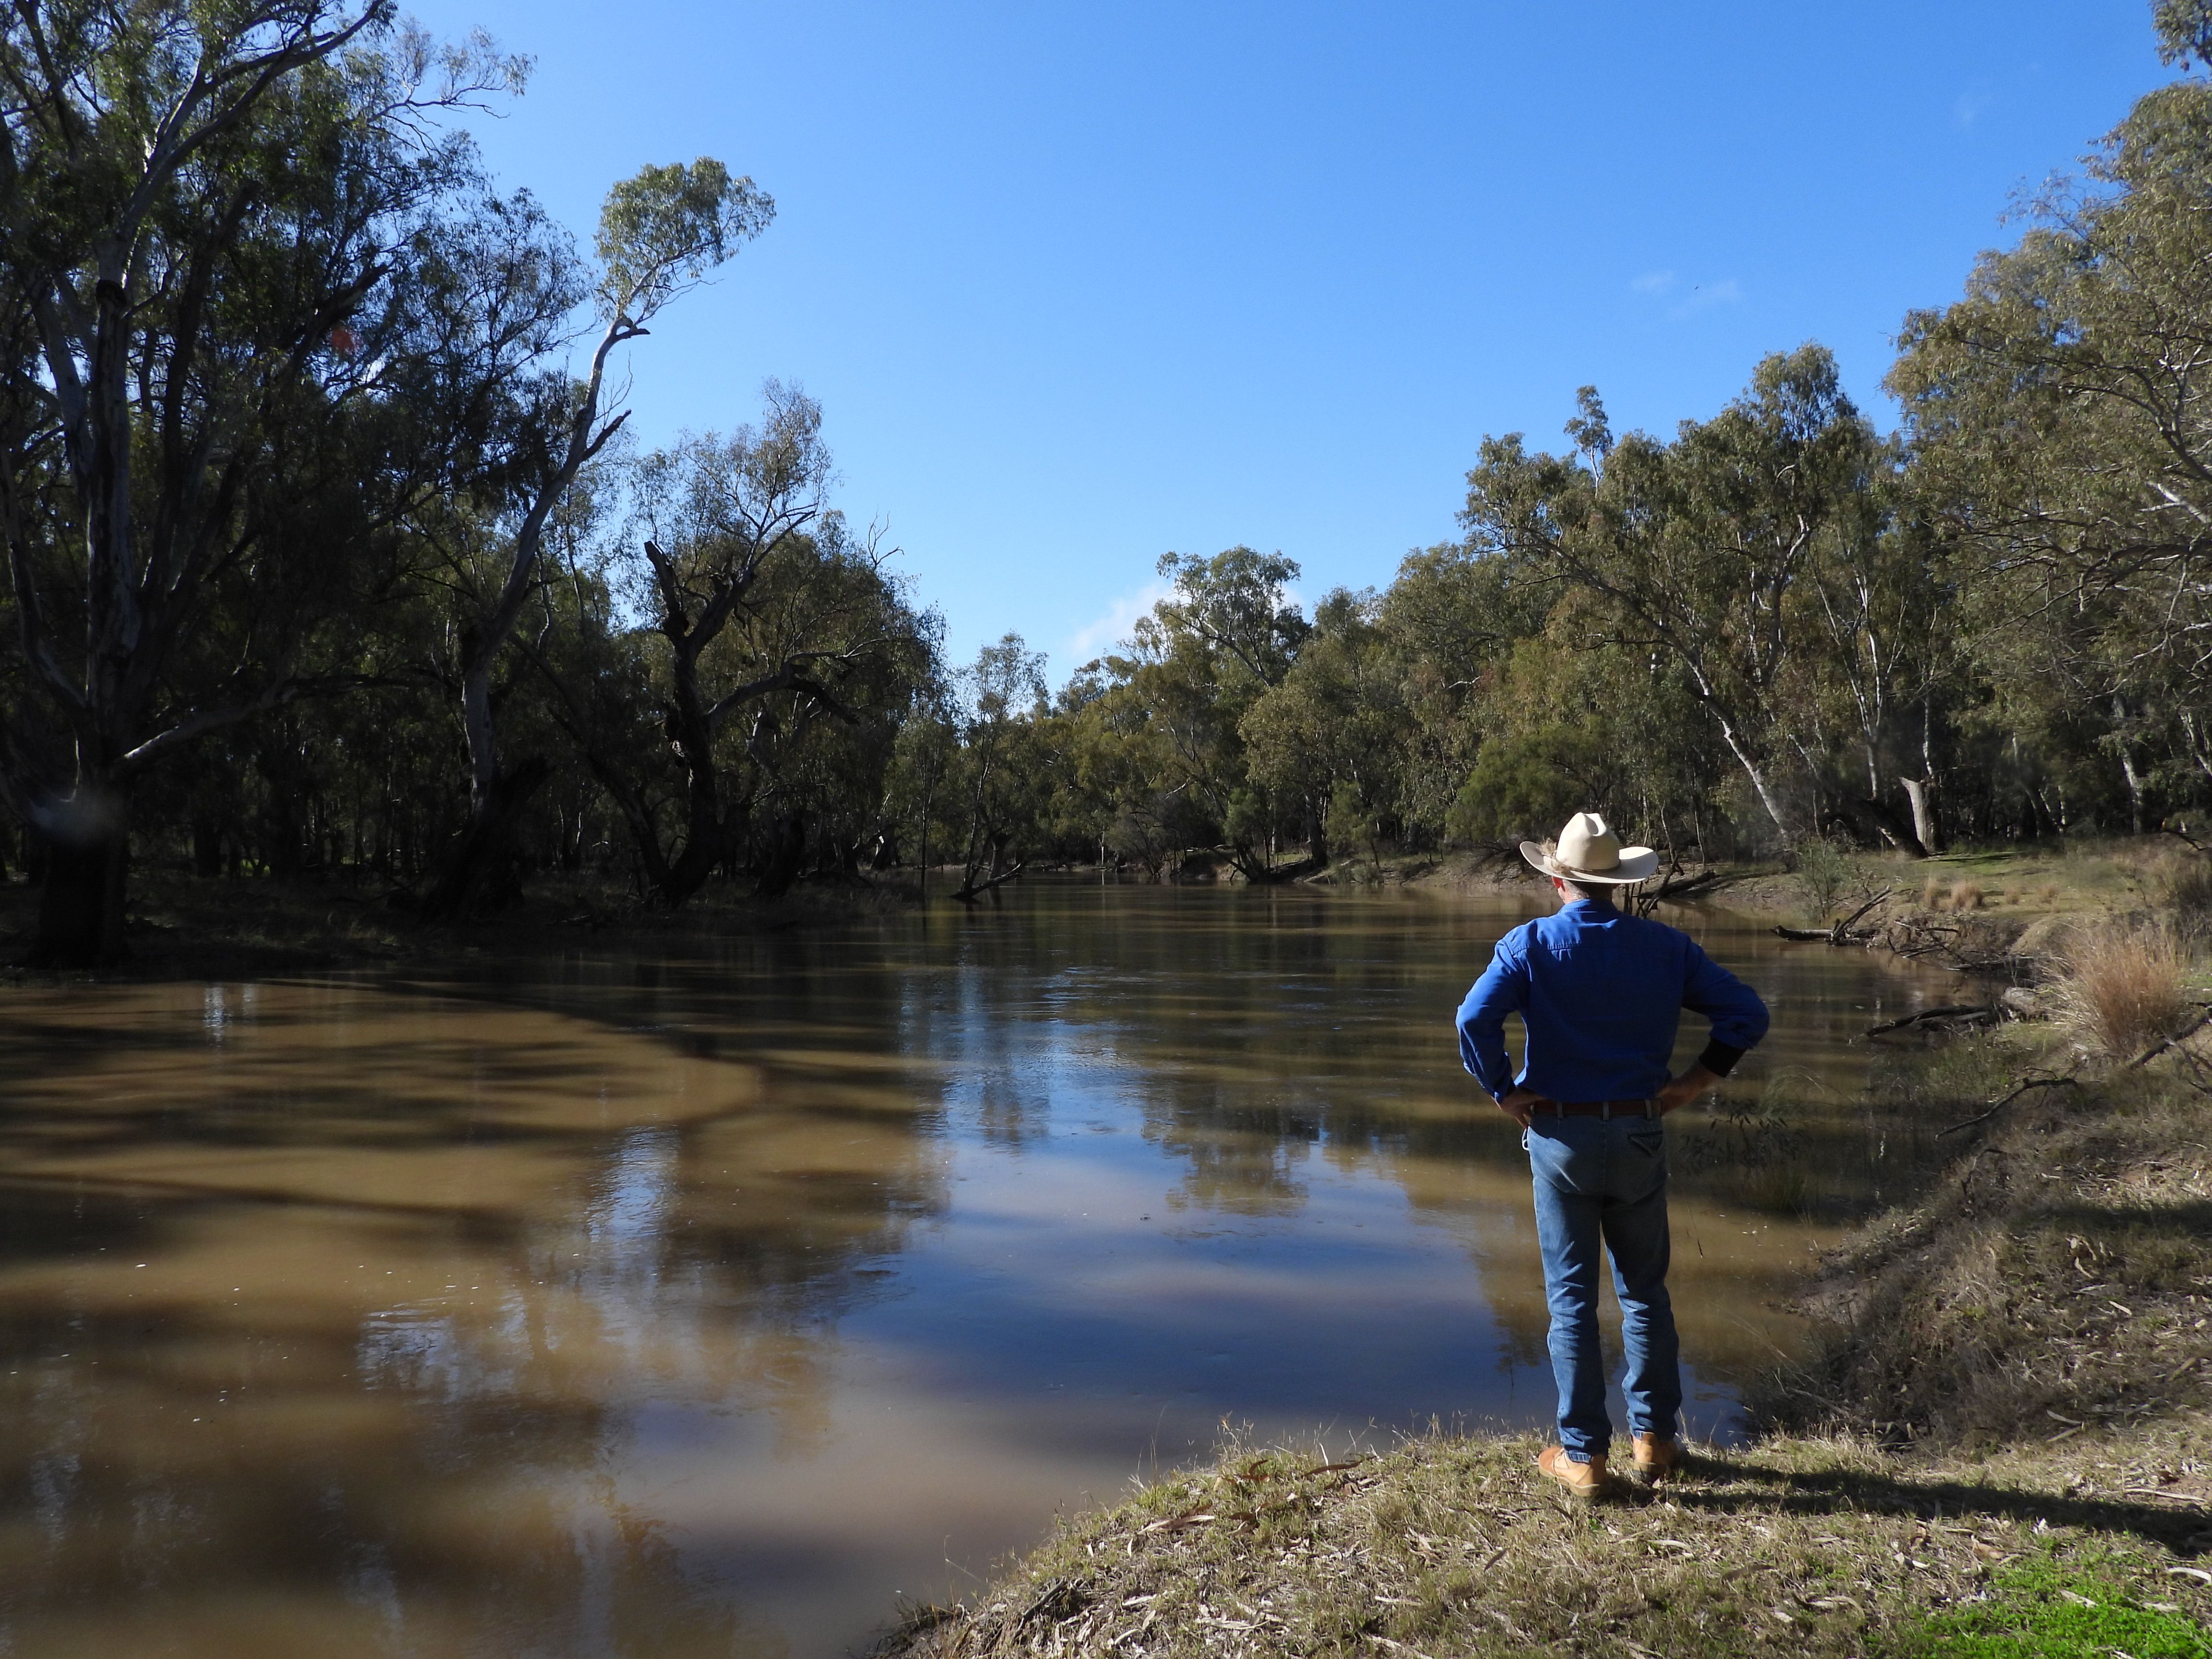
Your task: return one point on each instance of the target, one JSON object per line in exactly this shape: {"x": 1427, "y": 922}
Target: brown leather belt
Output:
{"x": 1597, "y": 1108}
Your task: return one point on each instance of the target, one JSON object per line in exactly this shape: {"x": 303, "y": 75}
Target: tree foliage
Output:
{"x": 323, "y": 557}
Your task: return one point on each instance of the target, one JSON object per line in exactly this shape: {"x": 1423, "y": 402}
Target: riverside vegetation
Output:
{"x": 331, "y": 559}
{"x": 2001, "y": 1442}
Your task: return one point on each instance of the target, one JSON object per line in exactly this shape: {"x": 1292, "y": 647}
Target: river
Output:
{"x": 714, "y": 1301}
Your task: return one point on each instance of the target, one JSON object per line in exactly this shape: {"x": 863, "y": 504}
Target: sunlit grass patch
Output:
{"x": 2039, "y": 1609}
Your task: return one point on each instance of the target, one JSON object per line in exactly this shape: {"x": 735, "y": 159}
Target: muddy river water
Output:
{"x": 714, "y": 1301}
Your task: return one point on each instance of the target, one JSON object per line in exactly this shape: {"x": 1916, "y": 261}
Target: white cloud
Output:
{"x": 1971, "y": 103}
{"x": 1653, "y": 282}
{"x": 1107, "y": 631}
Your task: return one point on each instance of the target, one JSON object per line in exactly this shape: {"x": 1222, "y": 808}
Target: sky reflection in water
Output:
{"x": 703, "y": 1304}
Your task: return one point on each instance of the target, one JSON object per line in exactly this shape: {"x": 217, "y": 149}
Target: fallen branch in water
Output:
{"x": 1841, "y": 933}
{"x": 1929, "y": 1015}
{"x": 1674, "y": 887}
{"x": 971, "y": 890}
{"x": 1919, "y": 941}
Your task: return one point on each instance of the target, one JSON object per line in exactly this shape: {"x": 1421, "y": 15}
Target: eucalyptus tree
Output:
{"x": 661, "y": 232}
{"x": 815, "y": 772}
{"x": 1190, "y": 671}
{"x": 1333, "y": 732}
{"x": 1700, "y": 548}
{"x": 1002, "y": 702}
{"x": 2062, "y": 430}
{"x": 920, "y": 785}
{"x": 757, "y": 613}
{"x": 1452, "y": 617}
{"x": 207, "y": 215}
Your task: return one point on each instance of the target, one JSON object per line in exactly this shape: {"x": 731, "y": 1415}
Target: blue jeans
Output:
{"x": 1604, "y": 1180}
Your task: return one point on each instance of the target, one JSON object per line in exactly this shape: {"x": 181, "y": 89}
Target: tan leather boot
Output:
{"x": 1657, "y": 1457}
{"x": 1583, "y": 1480}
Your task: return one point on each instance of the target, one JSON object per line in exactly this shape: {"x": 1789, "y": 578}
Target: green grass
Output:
{"x": 2039, "y": 1609}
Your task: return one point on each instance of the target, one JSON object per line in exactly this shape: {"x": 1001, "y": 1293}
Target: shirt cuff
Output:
{"x": 1719, "y": 1058}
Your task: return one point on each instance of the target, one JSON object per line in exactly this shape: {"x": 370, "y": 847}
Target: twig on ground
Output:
{"x": 1929, "y": 1016}
{"x": 2181, "y": 834}
{"x": 2173, "y": 1042}
{"x": 1996, "y": 1106}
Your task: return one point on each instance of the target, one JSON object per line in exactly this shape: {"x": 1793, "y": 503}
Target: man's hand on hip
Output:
{"x": 1678, "y": 1092}
{"x": 1521, "y": 1104}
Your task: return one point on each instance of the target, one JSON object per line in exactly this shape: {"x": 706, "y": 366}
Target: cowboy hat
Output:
{"x": 1587, "y": 851}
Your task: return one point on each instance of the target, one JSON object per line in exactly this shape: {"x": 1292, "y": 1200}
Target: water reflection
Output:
{"x": 704, "y": 1304}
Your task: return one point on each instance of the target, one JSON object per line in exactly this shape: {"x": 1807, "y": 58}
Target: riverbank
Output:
{"x": 2017, "y": 883}
{"x": 184, "y": 927}
{"x": 195, "y": 927}
{"x": 2001, "y": 1444}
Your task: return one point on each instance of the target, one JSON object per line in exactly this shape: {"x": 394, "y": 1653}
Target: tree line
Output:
{"x": 325, "y": 556}
{"x": 1779, "y": 623}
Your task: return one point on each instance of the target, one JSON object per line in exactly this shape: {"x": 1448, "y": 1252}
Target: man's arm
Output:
{"x": 1502, "y": 990}
{"x": 1739, "y": 1018}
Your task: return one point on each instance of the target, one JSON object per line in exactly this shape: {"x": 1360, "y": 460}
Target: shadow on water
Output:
{"x": 599, "y": 1305}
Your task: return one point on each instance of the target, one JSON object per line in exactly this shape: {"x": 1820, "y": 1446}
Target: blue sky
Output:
{"x": 1078, "y": 286}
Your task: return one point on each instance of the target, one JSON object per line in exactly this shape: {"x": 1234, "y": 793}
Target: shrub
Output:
{"x": 2122, "y": 989}
{"x": 1825, "y": 872}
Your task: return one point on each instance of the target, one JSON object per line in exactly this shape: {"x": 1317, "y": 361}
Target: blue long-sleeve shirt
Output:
{"x": 1600, "y": 994}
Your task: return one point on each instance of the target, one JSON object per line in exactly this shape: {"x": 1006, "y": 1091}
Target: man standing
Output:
{"x": 1600, "y": 995}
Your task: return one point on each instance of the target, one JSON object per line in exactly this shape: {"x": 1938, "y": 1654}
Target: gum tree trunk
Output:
{"x": 81, "y": 899}
{"x": 1924, "y": 816}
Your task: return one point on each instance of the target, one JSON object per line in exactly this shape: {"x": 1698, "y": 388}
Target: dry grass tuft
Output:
{"x": 1933, "y": 894}
{"x": 2187, "y": 892}
{"x": 2122, "y": 988}
{"x": 1966, "y": 896}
